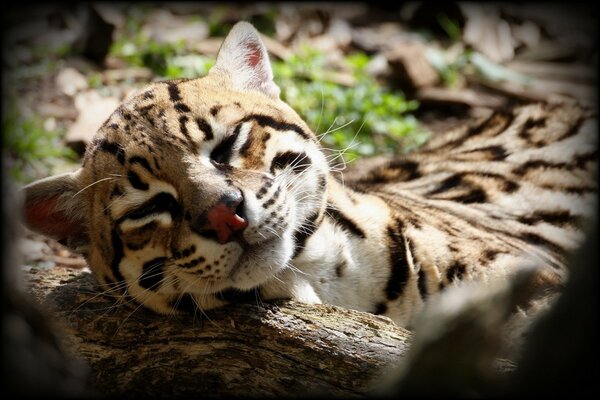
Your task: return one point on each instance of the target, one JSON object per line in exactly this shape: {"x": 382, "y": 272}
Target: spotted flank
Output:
{"x": 200, "y": 192}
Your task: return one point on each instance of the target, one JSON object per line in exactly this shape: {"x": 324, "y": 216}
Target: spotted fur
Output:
{"x": 473, "y": 205}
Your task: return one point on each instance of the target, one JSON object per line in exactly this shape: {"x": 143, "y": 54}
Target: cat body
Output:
{"x": 196, "y": 189}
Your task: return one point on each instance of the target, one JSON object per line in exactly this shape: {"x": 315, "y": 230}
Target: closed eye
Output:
{"x": 161, "y": 203}
{"x": 221, "y": 154}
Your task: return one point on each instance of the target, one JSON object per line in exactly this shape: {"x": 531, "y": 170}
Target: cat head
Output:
{"x": 191, "y": 187}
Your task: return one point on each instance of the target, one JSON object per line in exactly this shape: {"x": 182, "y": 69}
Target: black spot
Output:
{"x": 510, "y": 186}
{"x": 141, "y": 161}
{"x": 114, "y": 126}
{"x": 298, "y": 161}
{"x": 410, "y": 169}
{"x": 476, "y": 195}
{"x": 399, "y": 267}
{"x": 152, "y": 273}
{"x": 380, "y": 308}
{"x": 113, "y": 148}
{"x": 456, "y": 270}
{"x": 345, "y": 222}
{"x": 174, "y": 93}
{"x": 182, "y": 108}
{"x": 422, "y": 284}
{"x": 272, "y": 200}
{"x": 214, "y": 110}
{"x": 490, "y": 255}
{"x": 265, "y": 188}
{"x": 339, "y": 268}
{"x": 302, "y": 234}
{"x": 264, "y": 120}
{"x": 496, "y": 152}
{"x": 573, "y": 130}
{"x": 136, "y": 182}
{"x": 148, "y": 95}
{"x": 205, "y": 128}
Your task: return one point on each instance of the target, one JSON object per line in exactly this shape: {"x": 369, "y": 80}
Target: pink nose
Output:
{"x": 223, "y": 219}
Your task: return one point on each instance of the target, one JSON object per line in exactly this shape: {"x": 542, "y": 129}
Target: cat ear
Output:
{"x": 244, "y": 57}
{"x": 53, "y": 208}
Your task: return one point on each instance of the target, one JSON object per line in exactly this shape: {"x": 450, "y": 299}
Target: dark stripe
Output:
{"x": 182, "y": 127}
{"x": 535, "y": 239}
{"x": 422, "y": 284}
{"x": 182, "y": 108}
{"x": 301, "y": 235}
{"x": 142, "y": 161}
{"x": 264, "y": 120}
{"x": 205, "y": 128}
{"x": 573, "y": 130}
{"x": 399, "y": 267}
{"x": 117, "y": 246}
{"x": 298, "y": 161}
{"x": 497, "y": 152}
{"x": 558, "y": 217}
{"x": 447, "y": 184}
{"x": 152, "y": 273}
{"x": 113, "y": 148}
{"x": 174, "y": 93}
{"x": 192, "y": 145}
{"x": 146, "y": 109}
{"x": 345, "y": 222}
{"x": 223, "y": 151}
{"x": 396, "y": 171}
{"x": 456, "y": 270}
{"x": 136, "y": 182}
{"x": 162, "y": 202}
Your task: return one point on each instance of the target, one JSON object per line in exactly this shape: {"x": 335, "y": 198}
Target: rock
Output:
{"x": 93, "y": 111}
{"x": 71, "y": 81}
{"x": 410, "y": 65}
{"x": 164, "y": 27}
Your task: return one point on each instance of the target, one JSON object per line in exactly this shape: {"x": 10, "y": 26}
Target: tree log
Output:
{"x": 271, "y": 349}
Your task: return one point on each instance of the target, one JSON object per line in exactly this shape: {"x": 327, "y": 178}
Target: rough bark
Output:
{"x": 276, "y": 349}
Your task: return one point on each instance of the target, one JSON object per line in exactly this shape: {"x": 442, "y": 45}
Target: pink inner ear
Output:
{"x": 42, "y": 217}
{"x": 254, "y": 54}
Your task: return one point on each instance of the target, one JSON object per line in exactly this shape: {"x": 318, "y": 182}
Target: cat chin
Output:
{"x": 260, "y": 263}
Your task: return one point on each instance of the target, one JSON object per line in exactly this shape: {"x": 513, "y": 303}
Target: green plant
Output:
{"x": 361, "y": 119}
{"x": 32, "y": 151}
